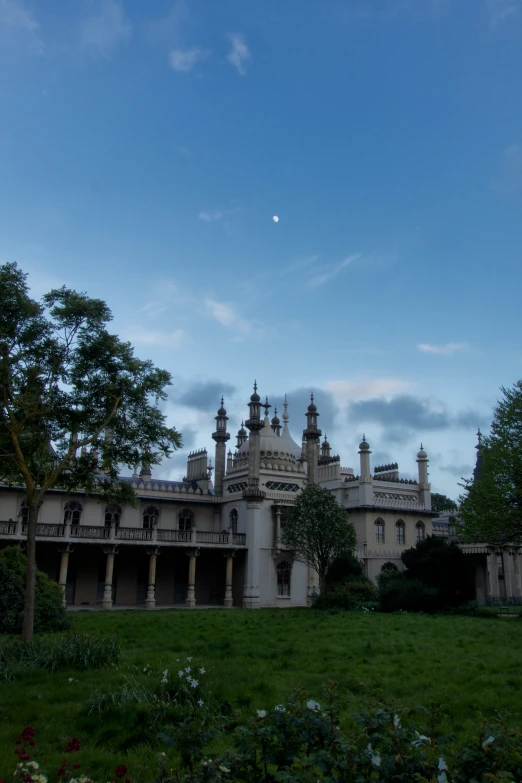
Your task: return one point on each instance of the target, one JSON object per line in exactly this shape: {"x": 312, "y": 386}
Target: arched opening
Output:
{"x": 112, "y": 516}
{"x": 284, "y": 571}
{"x": 379, "y": 531}
{"x": 232, "y": 520}
{"x": 185, "y": 520}
{"x": 150, "y": 517}
{"x": 72, "y": 513}
{"x": 400, "y": 532}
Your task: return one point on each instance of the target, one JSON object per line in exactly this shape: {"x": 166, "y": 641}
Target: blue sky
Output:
{"x": 146, "y": 147}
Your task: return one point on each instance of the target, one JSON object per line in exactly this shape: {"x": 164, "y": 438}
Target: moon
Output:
{"x": 275, "y": 219}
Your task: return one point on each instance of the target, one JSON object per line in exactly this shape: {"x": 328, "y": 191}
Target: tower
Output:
{"x": 312, "y": 435}
{"x": 254, "y": 498}
{"x": 365, "y": 478}
{"x": 220, "y": 436}
{"x": 480, "y": 456}
{"x": 424, "y": 486}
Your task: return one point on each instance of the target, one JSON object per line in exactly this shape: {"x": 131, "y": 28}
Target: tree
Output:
{"x": 441, "y": 566}
{"x": 491, "y": 507}
{"x": 75, "y": 403}
{"x": 318, "y": 530}
{"x": 442, "y": 503}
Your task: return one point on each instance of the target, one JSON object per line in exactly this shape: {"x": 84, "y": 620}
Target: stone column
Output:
{"x": 110, "y": 551}
{"x": 493, "y": 586}
{"x": 228, "y": 579}
{"x": 150, "y": 601}
{"x": 65, "y": 551}
{"x": 191, "y": 591}
{"x": 278, "y": 527}
{"x": 509, "y": 573}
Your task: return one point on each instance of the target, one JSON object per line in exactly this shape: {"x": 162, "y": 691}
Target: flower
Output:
{"x": 313, "y": 705}
{"x": 202, "y": 670}
{"x": 396, "y": 721}
{"x": 189, "y": 659}
{"x": 487, "y": 742}
{"x": 442, "y": 764}
{"x": 280, "y": 708}
{"x": 420, "y": 739}
{"x": 71, "y": 679}
{"x": 121, "y": 771}
{"x": 181, "y": 673}
{"x": 223, "y": 768}
{"x": 442, "y": 778}
{"x": 194, "y": 683}
{"x": 200, "y": 702}
{"x": 261, "y": 713}
{"x": 188, "y": 669}
{"x": 33, "y": 765}
{"x": 374, "y": 756}
{"x": 72, "y": 745}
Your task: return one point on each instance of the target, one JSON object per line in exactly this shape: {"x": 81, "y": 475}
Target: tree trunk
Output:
{"x": 30, "y": 583}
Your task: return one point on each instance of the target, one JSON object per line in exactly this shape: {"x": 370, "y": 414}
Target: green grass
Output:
{"x": 471, "y": 666}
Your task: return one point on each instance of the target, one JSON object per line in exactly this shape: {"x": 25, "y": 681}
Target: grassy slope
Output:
{"x": 255, "y": 659}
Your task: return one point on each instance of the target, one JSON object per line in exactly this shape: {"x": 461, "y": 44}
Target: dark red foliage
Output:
{"x": 73, "y": 745}
{"x": 121, "y": 771}
{"x": 28, "y": 733}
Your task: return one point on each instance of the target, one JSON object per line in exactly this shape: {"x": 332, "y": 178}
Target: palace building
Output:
{"x": 194, "y": 543}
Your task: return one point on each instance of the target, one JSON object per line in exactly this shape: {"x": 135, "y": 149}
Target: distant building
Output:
{"x": 190, "y": 543}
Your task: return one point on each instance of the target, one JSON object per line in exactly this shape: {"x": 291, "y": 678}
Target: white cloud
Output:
{"x": 501, "y": 10}
{"x": 184, "y": 60}
{"x": 225, "y": 314}
{"x": 345, "y": 392}
{"x": 171, "y": 339}
{"x": 212, "y": 215}
{"x": 103, "y": 32}
{"x": 331, "y": 272}
{"x": 16, "y": 17}
{"x": 239, "y": 54}
{"x": 443, "y": 350}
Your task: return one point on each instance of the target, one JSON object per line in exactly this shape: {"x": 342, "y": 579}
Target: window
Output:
{"x": 150, "y": 517}
{"x": 283, "y": 578}
{"x": 186, "y": 520}
{"x": 24, "y": 512}
{"x": 400, "y": 532}
{"x": 389, "y": 567}
{"x": 112, "y": 516}
{"x": 379, "y": 531}
{"x": 232, "y": 521}
{"x": 72, "y": 513}
{"x": 420, "y": 531}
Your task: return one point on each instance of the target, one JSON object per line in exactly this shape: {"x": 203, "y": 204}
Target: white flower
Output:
{"x": 442, "y": 778}
{"x": 181, "y": 673}
{"x": 188, "y": 669}
{"x": 70, "y": 679}
{"x": 202, "y": 670}
{"x": 374, "y": 756}
{"x": 261, "y": 713}
{"x": 487, "y": 742}
{"x": 420, "y": 739}
{"x": 396, "y": 721}
{"x": 194, "y": 683}
{"x": 200, "y": 702}
{"x": 442, "y": 764}
{"x": 189, "y": 659}
{"x": 164, "y": 681}
{"x": 33, "y": 765}
{"x": 313, "y": 705}
{"x": 280, "y": 708}
{"x": 223, "y": 768}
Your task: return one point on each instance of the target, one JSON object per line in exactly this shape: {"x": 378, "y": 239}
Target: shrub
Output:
{"x": 49, "y": 612}
{"x": 74, "y": 651}
{"x": 399, "y": 592}
{"x": 444, "y": 567}
{"x": 345, "y": 568}
{"x": 350, "y": 595}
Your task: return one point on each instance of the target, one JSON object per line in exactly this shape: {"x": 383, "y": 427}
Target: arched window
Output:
{"x": 24, "y": 512}
{"x": 284, "y": 570}
{"x": 186, "y": 519}
{"x": 150, "y": 517}
{"x": 420, "y": 531}
{"x": 379, "y": 530}
{"x": 389, "y": 567}
{"x": 112, "y": 516}
{"x": 400, "y": 532}
{"x": 232, "y": 521}
{"x": 72, "y": 513}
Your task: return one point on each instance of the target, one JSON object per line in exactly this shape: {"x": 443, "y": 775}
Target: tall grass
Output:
{"x": 73, "y": 651}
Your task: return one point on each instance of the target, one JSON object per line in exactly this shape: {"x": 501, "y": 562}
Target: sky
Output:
{"x": 146, "y": 147}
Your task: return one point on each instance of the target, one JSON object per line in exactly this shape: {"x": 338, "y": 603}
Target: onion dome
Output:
{"x": 312, "y": 408}
{"x": 242, "y": 432}
{"x": 364, "y": 445}
{"x": 255, "y": 396}
{"x": 275, "y": 419}
{"x": 421, "y": 454}
{"x": 222, "y": 411}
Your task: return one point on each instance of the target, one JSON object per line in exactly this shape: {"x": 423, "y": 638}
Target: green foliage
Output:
{"x": 72, "y": 651}
{"x": 50, "y": 614}
{"x": 441, "y": 566}
{"x": 491, "y": 507}
{"x": 442, "y": 502}
{"x": 345, "y": 568}
{"x": 398, "y": 592}
{"x": 318, "y": 529}
{"x": 350, "y": 595}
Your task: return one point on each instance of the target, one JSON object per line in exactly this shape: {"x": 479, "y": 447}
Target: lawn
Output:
{"x": 254, "y": 660}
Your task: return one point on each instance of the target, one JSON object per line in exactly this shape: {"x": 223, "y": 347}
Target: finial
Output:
{"x": 266, "y": 405}
{"x": 364, "y": 438}
{"x": 479, "y": 435}
{"x": 222, "y": 401}
{"x": 421, "y": 448}
{"x": 285, "y": 411}
{"x": 311, "y": 396}
{"x": 255, "y": 386}
{"x": 275, "y": 411}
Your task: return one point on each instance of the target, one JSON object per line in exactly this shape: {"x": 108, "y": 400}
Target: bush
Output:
{"x": 345, "y": 568}
{"x": 350, "y": 595}
{"x": 397, "y": 591}
{"x": 444, "y": 567}
{"x": 74, "y": 651}
{"x": 49, "y": 612}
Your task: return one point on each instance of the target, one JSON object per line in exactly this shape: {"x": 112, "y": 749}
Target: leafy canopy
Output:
{"x": 441, "y": 502}
{"x": 318, "y": 529}
{"x": 491, "y": 506}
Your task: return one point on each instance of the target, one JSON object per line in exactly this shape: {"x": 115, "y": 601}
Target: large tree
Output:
{"x": 491, "y": 507}
{"x": 441, "y": 502}
{"x": 318, "y": 530}
{"x": 75, "y": 403}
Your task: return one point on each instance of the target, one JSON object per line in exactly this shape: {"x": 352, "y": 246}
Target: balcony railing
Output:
{"x": 173, "y": 535}
{"x": 45, "y": 530}
{"x": 7, "y": 528}
{"x": 202, "y": 537}
{"x": 133, "y": 534}
{"x": 90, "y": 531}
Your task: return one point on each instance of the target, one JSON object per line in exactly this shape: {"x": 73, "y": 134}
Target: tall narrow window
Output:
{"x": 284, "y": 570}
{"x": 420, "y": 531}
{"x": 112, "y": 516}
{"x": 186, "y": 519}
{"x": 379, "y": 531}
{"x": 150, "y": 517}
{"x": 400, "y": 532}
{"x": 232, "y": 521}
{"x": 24, "y": 512}
{"x": 72, "y": 513}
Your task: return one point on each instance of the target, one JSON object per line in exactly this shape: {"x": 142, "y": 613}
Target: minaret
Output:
{"x": 365, "y": 477}
{"x": 424, "y": 486}
{"x": 254, "y": 497}
{"x": 241, "y": 436}
{"x": 220, "y": 436}
{"x": 480, "y": 456}
{"x": 276, "y": 424}
{"x": 145, "y": 472}
{"x": 326, "y": 449}
{"x": 312, "y": 435}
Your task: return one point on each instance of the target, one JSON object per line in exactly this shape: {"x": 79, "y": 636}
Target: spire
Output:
{"x": 266, "y": 406}
{"x": 480, "y": 456}
{"x": 254, "y": 420}
{"x": 286, "y": 417}
{"x": 276, "y": 424}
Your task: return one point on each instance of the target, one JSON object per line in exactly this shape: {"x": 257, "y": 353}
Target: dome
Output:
{"x": 222, "y": 412}
{"x": 421, "y": 454}
{"x": 273, "y": 447}
{"x": 364, "y": 445}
